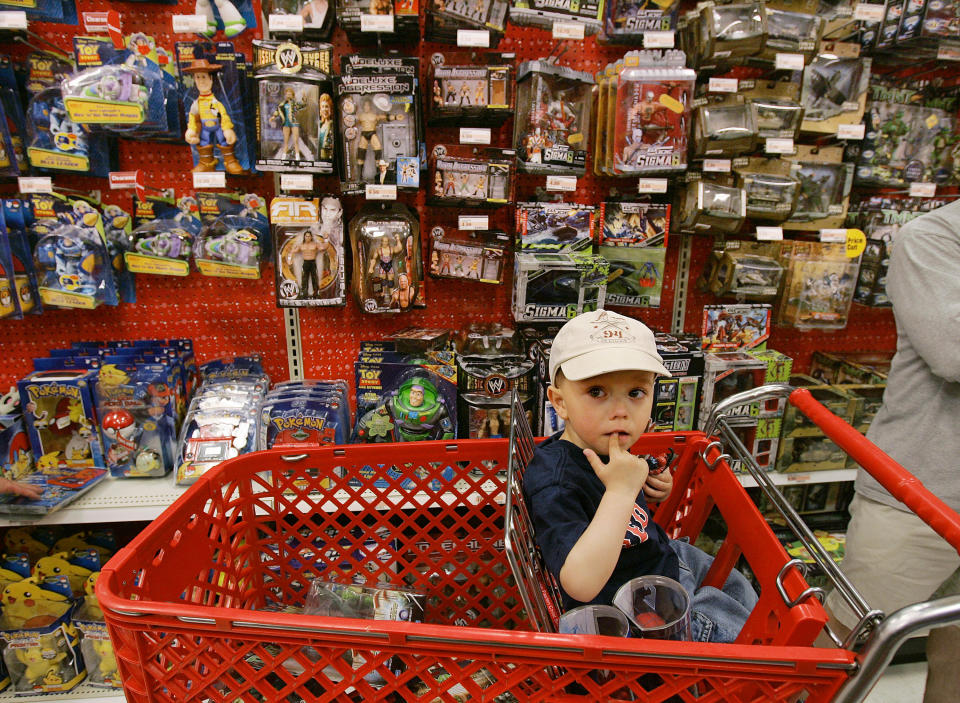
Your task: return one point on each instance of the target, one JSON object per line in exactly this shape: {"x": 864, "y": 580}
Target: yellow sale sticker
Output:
{"x": 856, "y": 243}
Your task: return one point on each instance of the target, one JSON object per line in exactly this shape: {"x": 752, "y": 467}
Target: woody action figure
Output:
{"x": 208, "y": 123}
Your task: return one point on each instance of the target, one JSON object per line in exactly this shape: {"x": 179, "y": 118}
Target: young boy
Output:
{"x": 587, "y": 494}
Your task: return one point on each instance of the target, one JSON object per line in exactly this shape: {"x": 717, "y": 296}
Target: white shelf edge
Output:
{"x": 84, "y": 692}
{"x": 780, "y": 479}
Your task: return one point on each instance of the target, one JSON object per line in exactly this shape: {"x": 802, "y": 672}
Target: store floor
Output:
{"x": 901, "y": 683}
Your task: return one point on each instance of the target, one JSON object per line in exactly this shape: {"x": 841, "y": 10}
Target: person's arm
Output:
{"x": 591, "y": 562}
{"x": 658, "y": 487}
{"x": 26, "y": 490}
{"x": 924, "y": 287}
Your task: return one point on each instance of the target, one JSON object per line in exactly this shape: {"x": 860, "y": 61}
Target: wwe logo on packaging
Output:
{"x": 496, "y": 385}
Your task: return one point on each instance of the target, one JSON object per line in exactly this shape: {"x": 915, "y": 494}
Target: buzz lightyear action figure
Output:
{"x": 414, "y": 412}
{"x": 208, "y": 124}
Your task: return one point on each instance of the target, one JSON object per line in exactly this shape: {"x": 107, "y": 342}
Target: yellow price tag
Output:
{"x": 856, "y": 243}
{"x": 932, "y": 121}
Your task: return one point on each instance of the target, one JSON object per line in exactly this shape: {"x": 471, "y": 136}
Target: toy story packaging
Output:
{"x": 469, "y": 177}
{"x": 9, "y": 300}
{"x": 551, "y": 131}
{"x": 403, "y": 401}
{"x": 210, "y": 85}
{"x": 164, "y": 236}
{"x": 308, "y": 239}
{"x": 553, "y": 287}
{"x": 387, "y": 264}
{"x": 230, "y": 17}
{"x": 235, "y": 238}
{"x": 466, "y": 92}
{"x": 471, "y": 255}
{"x": 56, "y": 143}
{"x": 295, "y": 109}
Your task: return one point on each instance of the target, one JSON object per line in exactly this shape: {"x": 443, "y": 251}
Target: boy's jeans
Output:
{"x": 715, "y": 615}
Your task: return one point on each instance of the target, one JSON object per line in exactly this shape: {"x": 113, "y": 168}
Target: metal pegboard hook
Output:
{"x": 60, "y": 56}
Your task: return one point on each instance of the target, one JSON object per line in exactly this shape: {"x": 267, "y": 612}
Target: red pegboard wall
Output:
{"x": 229, "y": 317}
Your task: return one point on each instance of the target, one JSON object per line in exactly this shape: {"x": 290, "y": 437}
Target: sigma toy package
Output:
{"x": 551, "y": 130}
{"x": 468, "y": 92}
{"x": 634, "y": 224}
{"x": 676, "y": 397}
{"x": 553, "y": 287}
{"x": 446, "y": 18}
{"x": 818, "y": 286}
{"x": 387, "y": 265}
{"x": 626, "y": 21}
{"x": 469, "y": 255}
{"x": 544, "y": 13}
{"x": 733, "y": 327}
{"x": 295, "y": 110}
{"x": 557, "y": 227}
{"x": 633, "y": 238}
{"x": 466, "y": 176}
{"x": 308, "y": 239}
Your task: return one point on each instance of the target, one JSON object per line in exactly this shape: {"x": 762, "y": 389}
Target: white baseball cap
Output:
{"x": 603, "y": 341}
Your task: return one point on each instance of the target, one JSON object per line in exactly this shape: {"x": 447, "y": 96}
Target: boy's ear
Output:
{"x": 555, "y": 396}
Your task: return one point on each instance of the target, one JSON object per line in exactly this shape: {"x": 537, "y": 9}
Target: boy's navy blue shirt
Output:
{"x": 563, "y": 494}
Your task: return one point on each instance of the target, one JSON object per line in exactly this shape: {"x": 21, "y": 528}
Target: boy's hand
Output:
{"x": 623, "y": 473}
{"x": 658, "y": 486}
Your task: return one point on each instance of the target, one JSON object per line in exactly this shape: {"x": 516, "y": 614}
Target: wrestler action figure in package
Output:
{"x": 469, "y": 93}
{"x": 309, "y": 246}
{"x": 387, "y": 268}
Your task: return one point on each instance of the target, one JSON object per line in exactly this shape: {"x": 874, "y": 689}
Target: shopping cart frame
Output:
{"x": 183, "y": 600}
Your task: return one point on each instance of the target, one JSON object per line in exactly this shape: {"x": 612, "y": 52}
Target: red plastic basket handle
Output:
{"x": 903, "y": 485}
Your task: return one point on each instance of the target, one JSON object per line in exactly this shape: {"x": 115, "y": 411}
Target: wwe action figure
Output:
{"x": 285, "y": 117}
{"x": 208, "y": 124}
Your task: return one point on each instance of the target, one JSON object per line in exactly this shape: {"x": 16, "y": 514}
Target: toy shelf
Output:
{"x": 83, "y": 692}
{"x": 780, "y": 479}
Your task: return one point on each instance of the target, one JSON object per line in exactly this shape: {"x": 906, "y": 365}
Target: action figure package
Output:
{"x": 707, "y": 206}
{"x": 676, "y": 397}
{"x": 466, "y": 91}
{"x": 744, "y": 270}
{"x": 724, "y": 130}
{"x": 910, "y": 136}
{"x": 387, "y": 265}
{"x": 235, "y": 238}
{"x": 10, "y": 162}
{"x": 446, "y": 18}
{"x": 636, "y": 275}
{"x": 469, "y": 255}
{"x": 639, "y": 224}
{"x": 405, "y": 401}
{"x": 544, "y": 13}
{"x": 818, "y": 286}
{"x": 164, "y": 246}
{"x": 777, "y": 112}
{"x": 834, "y": 88}
{"x": 626, "y": 21}
{"x": 648, "y": 113}
{"x": 791, "y": 33}
{"x": 353, "y": 601}
{"x": 378, "y": 131}
{"x": 376, "y": 21}
{"x": 56, "y": 143}
{"x": 295, "y": 115}
{"x": 16, "y": 459}
{"x": 21, "y": 254}
{"x": 471, "y": 177}
{"x": 308, "y": 239}
{"x": 316, "y": 17}
{"x": 735, "y": 327}
{"x": 554, "y": 226}
{"x": 770, "y": 190}
{"x": 9, "y": 299}
{"x": 486, "y": 384}
{"x": 552, "y": 127}
{"x": 553, "y": 287}
{"x": 99, "y": 658}
{"x": 730, "y": 31}
{"x": 210, "y": 81}
{"x": 825, "y": 182}
{"x": 310, "y": 418}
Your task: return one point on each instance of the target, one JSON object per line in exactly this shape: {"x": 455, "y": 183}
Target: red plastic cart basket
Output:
{"x": 190, "y": 603}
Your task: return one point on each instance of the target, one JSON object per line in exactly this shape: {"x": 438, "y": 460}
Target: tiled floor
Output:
{"x": 902, "y": 683}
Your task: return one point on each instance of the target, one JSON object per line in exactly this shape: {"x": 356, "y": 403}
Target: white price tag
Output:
{"x": 723, "y": 85}
{"x": 788, "y": 62}
{"x": 568, "y": 183}
{"x": 473, "y": 37}
{"x": 652, "y": 185}
{"x": 851, "y": 131}
{"x": 296, "y": 181}
{"x": 769, "y": 234}
{"x": 948, "y": 52}
{"x": 568, "y": 30}
{"x": 375, "y": 191}
{"x": 189, "y": 24}
{"x": 13, "y": 19}
{"x": 122, "y": 179}
{"x": 35, "y": 184}
{"x": 473, "y": 222}
{"x": 474, "y": 135}
{"x": 923, "y": 190}
{"x": 209, "y": 179}
{"x": 716, "y": 166}
{"x": 659, "y": 40}
{"x": 285, "y": 23}
{"x": 778, "y": 145}
{"x": 376, "y": 23}
{"x": 833, "y": 235}
{"x": 868, "y": 12}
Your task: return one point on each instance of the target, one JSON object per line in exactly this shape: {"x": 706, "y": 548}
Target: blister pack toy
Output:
{"x": 235, "y": 238}
{"x": 471, "y": 177}
{"x": 486, "y": 383}
{"x": 73, "y": 267}
{"x": 16, "y": 458}
{"x": 551, "y": 131}
{"x": 555, "y": 226}
{"x": 557, "y": 286}
{"x": 316, "y": 16}
{"x": 308, "y": 238}
{"x": 634, "y": 224}
{"x": 636, "y": 275}
{"x": 824, "y": 190}
{"x": 58, "y": 143}
{"x": 392, "y": 20}
{"x": 468, "y": 92}
{"x": 626, "y": 21}
{"x": 99, "y": 657}
{"x": 295, "y": 119}
{"x": 164, "y": 245}
{"x": 415, "y": 405}
{"x": 771, "y": 191}
{"x": 733, "y": 327}
{"x": 724, "y": 130}
{"x": 710, "y": 206}
{"x": 472, "y": 255}
{"x": 387, "y": 269}
{"x": 113, "y": 95}
{"x": 314, "y": 414}
{"x": 819, "y": 284}
{"x": 544, "y": 15}
{"x": 446, "y": 18}
{"x": 776, "y": 117}
{"x": 9, "y": 300}
{"x": 744, "y": 270}
{"x": 835, "y": 88}
{"x": 229, "y": 16}
{"x": 731, "y": 31}
{"x": 648, "y": 113}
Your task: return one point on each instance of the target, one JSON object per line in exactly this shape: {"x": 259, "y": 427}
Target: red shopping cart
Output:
{"x": 194, "y": 603}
